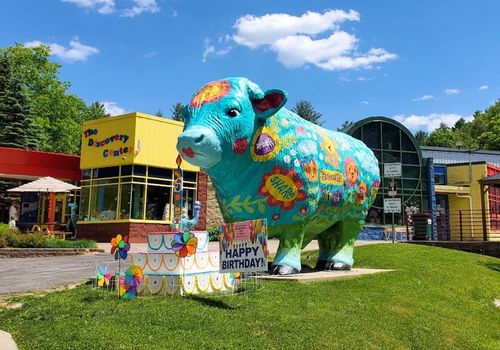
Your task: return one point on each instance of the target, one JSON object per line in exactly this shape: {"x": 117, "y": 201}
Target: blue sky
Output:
{"x": 421, "y": 62}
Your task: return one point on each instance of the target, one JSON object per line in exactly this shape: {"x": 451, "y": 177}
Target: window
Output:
{"x": 494, "y": 198}
{"x": 84, "y": 203}
{"x": 103, "y": 202}
{"x": 158, "y": 203}
{"x": 106, "y": 172}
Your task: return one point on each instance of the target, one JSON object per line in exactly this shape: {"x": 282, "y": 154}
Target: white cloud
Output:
{"x": 211, "y": 51}
{"x": 149, "y": 54}
{"x": 450, "y": 92}
{"x": 141, "y": 6}
{"x": 75, "y": 52}
{"x": 112, "y": 108}
{"x": 104, "y": 7}
{"x": 295, "y": 40}
{"x": 364, "y": 102}
{"x": 429, "y": 122}
{"x": 424, "y": 98}
{"x": 484, "y": 87}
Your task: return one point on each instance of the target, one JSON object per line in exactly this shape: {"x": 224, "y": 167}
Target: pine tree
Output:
{"x": 306, "y": 110}
{"x": 176, "y": 111}
{"x": 16, "y": 128}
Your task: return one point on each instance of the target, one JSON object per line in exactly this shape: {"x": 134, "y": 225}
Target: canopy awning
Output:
{"x": 45, "y": 184}
{"x": 491, "y": 180}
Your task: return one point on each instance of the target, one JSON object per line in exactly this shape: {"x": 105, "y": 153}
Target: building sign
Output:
{"x": 111, "y": 145}
{"x": 392, "y": 205}
{"x": 392, "y": 169}
{"x": 243, "y": 246}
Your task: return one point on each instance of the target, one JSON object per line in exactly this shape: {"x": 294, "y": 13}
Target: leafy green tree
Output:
{"x": 176, "y": 111}
{"x": 57, "y": 116}
{"x": 443, "y": 136}
{"x": 15, "y": 124}
{"x": 485, "y": 127}
{"x": 306, "y": 110}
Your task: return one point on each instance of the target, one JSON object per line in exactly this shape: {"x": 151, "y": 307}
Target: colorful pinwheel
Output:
{"x": 120, "y": 247}
{"x": 103, "y": 276}
{"x": 184, "y": 244}
{"x": 129, "y": 283}
{"x": 235, "y": 278}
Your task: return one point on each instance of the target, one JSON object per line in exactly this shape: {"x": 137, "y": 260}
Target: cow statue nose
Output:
{"x": 200, "y": 146}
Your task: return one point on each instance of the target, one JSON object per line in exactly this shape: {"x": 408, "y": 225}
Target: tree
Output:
{"x": 421, "y": 137}
{"x": 176, "y": 111}
{"x": 15, "y": 123}
{"x": 306, "y": 111}
{"x": 96, "y": 111}
{"x": 345, "y": 125}
{"x": 56, "y": 115}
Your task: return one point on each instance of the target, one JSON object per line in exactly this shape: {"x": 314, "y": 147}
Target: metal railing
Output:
{"x": 453, "y": 225}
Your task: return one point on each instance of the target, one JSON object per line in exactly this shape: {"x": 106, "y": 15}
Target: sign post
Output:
{"x": 392, "y": 205}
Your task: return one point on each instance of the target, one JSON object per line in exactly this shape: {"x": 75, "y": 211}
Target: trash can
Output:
{"x": 422, "y": 227}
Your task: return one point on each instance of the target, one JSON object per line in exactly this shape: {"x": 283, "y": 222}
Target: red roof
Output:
{"x": 19, "y": 163}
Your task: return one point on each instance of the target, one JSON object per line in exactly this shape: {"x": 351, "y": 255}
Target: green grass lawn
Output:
{"x": 437, "y": 299}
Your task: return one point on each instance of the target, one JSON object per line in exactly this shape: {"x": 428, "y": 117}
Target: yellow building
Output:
{"x": 465, "y": 214}
{"x": 127, "y": 167}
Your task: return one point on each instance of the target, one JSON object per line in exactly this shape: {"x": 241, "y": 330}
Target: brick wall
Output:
{"x": 202, "y": 197}
{"x": 214, "y": 215}
{"x": 137, "y": 232}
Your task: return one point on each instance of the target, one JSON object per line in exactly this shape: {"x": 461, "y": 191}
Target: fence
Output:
{"x": 453, "y": 225}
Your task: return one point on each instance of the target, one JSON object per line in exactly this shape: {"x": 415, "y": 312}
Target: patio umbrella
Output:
{"x": 45, "y": 184}
{"x": 50, "y": 185}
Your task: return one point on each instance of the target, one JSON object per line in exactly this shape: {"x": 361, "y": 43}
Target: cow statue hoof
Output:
{"x": 284, "y": 270}
{"x": 339, "y": 266}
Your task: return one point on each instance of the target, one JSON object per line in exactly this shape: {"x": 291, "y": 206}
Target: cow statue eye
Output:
{"x": 233, "y": 112}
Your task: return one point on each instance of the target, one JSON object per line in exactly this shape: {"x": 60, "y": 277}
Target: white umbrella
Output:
{"x": 45, "y": 184}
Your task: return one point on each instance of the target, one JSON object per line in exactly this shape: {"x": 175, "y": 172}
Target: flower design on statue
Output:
{"x": 211, "y": 92}
{"x": 184, "y": 244}
{"x": 331, "y": 154}
{"x": 375, "y": 185}
{"x": 265, "y": 144}
{"x": 311, "y": 170}
{"x": 120, "y": 247}
{"x": 129, "y": 283}
{"x": 282, "y": 187}
{"x": 351, "y": 171}
{"x": 362, "y": 192}
{"x": 102, "y": 276}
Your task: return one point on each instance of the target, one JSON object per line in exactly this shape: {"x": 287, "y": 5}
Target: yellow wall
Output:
{"x": 134, "y": 138}
{"x": 459, "y": 175}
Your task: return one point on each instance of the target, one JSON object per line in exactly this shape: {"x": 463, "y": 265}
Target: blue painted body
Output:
{"x": 267, "y": 162}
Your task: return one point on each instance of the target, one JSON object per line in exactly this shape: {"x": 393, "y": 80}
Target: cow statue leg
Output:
{"x": 336, "y": 245}
{"x": 287, "y": 259}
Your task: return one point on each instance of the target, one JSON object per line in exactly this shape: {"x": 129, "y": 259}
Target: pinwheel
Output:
{"x": 103, "y": 276}
{"x": 184, "y": 244}
{"x": 129, "y": 283}
{"x": 235, "y": 278}
{"x": 120, "y": 247}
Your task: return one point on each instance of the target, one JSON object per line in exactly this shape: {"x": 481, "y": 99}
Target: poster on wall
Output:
{"x": 243, "y": 246}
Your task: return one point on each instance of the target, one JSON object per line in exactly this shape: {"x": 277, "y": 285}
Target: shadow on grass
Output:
{"x": 211, "y": 302}
{"x": 492, "y": 266}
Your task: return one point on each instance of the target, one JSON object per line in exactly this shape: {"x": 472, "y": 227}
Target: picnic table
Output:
{"x": 43, "y": 229}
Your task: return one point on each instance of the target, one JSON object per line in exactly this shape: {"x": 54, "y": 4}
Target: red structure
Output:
{"x": 18, "y": 163}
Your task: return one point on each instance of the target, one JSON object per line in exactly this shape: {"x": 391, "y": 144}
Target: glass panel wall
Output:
{"x": 134, "y": 192}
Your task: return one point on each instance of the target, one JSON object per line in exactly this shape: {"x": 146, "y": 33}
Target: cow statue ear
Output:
{"x": 268, "y": 103}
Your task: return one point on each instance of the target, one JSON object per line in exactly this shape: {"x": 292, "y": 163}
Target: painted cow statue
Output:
{"x": 267, "y": 162}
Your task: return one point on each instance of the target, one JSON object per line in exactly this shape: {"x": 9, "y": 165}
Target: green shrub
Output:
{"x": 59, "y": 243}
{"x": 213, "y": 233}
{"x": 31, "y": 240}
{"x": 3, "y": 242}
{"x": 11, "y": 237}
